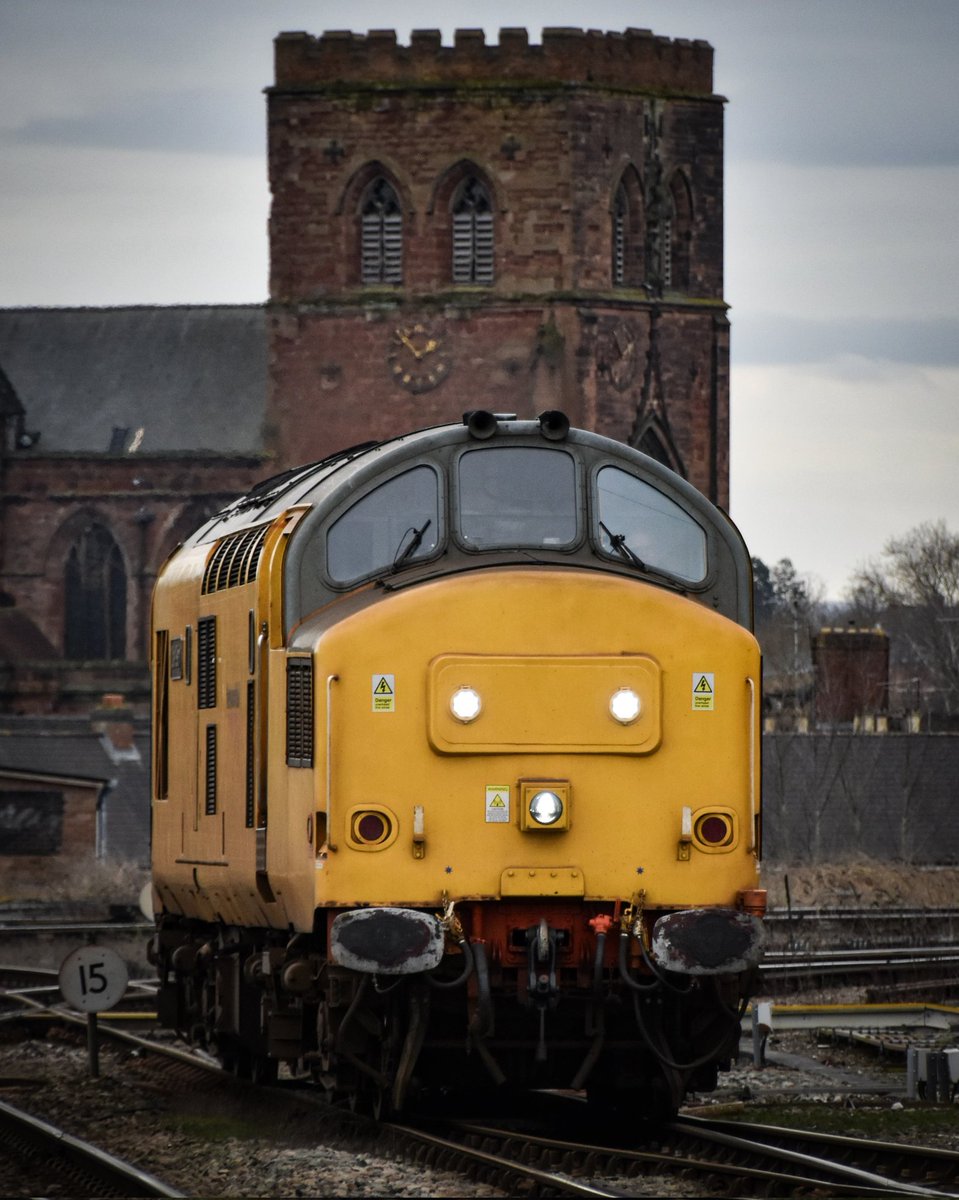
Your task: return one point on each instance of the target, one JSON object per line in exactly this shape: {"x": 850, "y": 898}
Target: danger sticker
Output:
{"x": 497, "y": 803}
{"x": 704, "y": 691}
{"x": 384, "y": 693}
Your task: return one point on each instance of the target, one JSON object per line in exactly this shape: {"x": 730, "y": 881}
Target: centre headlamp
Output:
{"x": 544, "y": 804}
{"x": 546, "y": 808}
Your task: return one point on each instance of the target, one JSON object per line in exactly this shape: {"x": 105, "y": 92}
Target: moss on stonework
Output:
{"x": 550, "y": 343}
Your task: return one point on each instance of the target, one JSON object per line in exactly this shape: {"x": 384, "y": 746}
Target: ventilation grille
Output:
{"x": 382, "y": 248}
{"x": 211, "y": 770}
{"x": 235, "y": 560}
{"x": 473, "y": 247}
{"x": 206, "y": 662}
{"x": 299, "y": 713}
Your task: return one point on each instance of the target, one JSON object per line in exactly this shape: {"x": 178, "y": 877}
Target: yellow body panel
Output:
{"x": 546, "y": 648}
{"x": 626, "y": 817}
{"x": 565, "y": 703}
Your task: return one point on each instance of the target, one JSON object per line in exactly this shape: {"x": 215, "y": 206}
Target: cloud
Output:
{"x": 765, "y": 338}
{"x": 829, "y": 461}
{"x": 831, "y": 242}
{"x": 192, "y": 119}
{"x": 139, "y": 228}
{"x": 852, "y": 84}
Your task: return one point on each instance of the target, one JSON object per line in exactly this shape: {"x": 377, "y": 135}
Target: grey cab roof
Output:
{"x": 105, "y": 380}
{"x": 326, "y": 485}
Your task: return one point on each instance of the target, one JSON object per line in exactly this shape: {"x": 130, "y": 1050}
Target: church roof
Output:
{"x": 154, "y": 379}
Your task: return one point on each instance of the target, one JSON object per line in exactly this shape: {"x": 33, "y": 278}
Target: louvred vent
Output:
{"x": 235, "y": 560}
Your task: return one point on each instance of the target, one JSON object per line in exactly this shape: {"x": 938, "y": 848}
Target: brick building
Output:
{"x": 512, "y": 226}
{"x": 515, "y": 227}
{"x": 120, "y": 431}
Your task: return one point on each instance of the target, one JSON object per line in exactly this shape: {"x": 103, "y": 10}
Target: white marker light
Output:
{"x": 546, "y": 808}
{"x": 465, "y": 704}
{"x": 625, "y": 706}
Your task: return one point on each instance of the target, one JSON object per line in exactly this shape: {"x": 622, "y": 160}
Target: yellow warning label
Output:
{"x": 497, "y": 802}
{"x": 384, "y": 693}
{"x": 704, "y": 691}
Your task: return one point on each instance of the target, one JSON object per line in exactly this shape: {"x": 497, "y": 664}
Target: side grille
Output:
{"x": 211, "y": 770}
{"x": 206, "y": 662}
{"x": 299, "y": 713}
{"x": 235, "y": 560}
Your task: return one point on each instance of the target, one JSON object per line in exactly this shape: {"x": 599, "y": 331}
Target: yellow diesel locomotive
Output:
{"x": 456, "y": 773}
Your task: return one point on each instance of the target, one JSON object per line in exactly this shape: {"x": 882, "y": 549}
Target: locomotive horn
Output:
{"x": 480, "y": 423}
{"x": 553, "y": 425}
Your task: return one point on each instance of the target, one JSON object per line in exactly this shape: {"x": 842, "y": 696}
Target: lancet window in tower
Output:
{"x": 95, "y": 595}
{"x": 381, "y": 235}
{"x": 472, "y": 234}
{"x": 677, "y": 234}
{"x": 620, "y": 219}
{"x": 627, "y": 258}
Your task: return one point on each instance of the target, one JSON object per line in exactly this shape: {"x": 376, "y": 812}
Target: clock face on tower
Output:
{"x": 418, "y": 358}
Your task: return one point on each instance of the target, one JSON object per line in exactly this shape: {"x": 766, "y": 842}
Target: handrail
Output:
{"x": 330, "y": 680}
{"x": 751, "y": 684}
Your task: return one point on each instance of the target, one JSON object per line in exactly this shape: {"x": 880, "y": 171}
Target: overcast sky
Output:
{"x": 132, "y": 135}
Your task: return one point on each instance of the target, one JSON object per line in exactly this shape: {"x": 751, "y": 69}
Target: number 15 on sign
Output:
{"x": 91, "y": 979}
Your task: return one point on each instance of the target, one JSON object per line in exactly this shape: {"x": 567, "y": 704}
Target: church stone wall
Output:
{"x": 551, "y": 129}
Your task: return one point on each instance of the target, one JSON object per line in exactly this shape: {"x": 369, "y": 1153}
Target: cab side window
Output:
{"x": 638, "y": 523}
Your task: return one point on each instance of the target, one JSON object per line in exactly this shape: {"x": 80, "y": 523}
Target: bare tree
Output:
{"x": 913, "y": 588}
{"x": 788, "y": 609}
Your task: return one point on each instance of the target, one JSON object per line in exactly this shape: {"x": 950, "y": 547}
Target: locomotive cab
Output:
{"x": 456, "y": 772}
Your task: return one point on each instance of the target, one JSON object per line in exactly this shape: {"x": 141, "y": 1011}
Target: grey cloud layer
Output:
{"x": 192, "y": 120}
{"x": 768, "y": 339}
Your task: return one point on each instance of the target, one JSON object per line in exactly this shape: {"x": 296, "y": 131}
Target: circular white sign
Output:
{"x": 93, "y": 978}
{"x": 146, "y": 901}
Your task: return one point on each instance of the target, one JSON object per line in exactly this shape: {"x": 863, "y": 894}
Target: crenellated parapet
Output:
{"x": 635, "y": 59}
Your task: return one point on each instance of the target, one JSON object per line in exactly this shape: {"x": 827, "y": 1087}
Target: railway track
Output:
{"x": 860, "y": 927}
{"x": 36, "y": 1152}
{"x": 722, "y": 1158}
{"x": 857, "y": 1162}
{"x": 719, "y": 1158}
{"x": 848, "y": 964}
{"x": 716, "y": 1158}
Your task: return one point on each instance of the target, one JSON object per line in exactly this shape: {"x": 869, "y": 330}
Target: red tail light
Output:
{"x": 714, "y": 829}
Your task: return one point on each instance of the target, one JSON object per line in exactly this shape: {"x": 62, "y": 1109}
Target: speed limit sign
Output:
{"x": 93, "y": 978}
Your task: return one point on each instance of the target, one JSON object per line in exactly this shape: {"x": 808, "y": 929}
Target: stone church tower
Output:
{"x": 513, "y": 227}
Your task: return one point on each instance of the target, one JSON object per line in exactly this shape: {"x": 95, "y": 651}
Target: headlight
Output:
{"x": 625, "y": 706}
{"x": 465, "y": 704}
{"x": 546, "y": 808}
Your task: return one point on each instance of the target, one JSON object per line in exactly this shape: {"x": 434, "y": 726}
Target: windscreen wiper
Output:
{"x": 621, "y": 546}
{"x": 414, "y": 543}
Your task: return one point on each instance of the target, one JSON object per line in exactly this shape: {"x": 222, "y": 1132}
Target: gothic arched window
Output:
{"x": 472, "y": 233}
{"x": 628, "y": 266}
{"x": 620, "y": 219}
{"x": 381, "y": 234}
{"x": 95, "y": 597}
{"x": 677, "y": 234}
